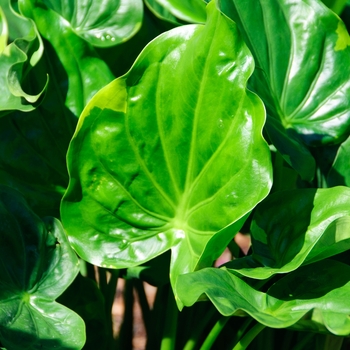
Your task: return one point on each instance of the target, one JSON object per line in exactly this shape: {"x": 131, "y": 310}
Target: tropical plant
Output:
{"x": 138, "y": 138}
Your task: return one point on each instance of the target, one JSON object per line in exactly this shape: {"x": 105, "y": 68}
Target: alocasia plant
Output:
{"x": 148, "y": 162}
{"x": 163, "y": 147}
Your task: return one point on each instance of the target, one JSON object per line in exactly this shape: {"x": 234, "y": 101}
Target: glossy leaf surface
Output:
{"x": 192, "y": 11}
{"x": 301, "y": 49}
{"x": 323, "y": 286}
{"x": 84, "y": 73}
{"x": 163, "y": 160}
{"x": 161, "y": 12}
{"x": 17, "y": 59}
{"x": 304, "y": 78}
{"x": 311, "y": 225}
{"x": 37, "y": 265}
{"x": 101, "y": 23}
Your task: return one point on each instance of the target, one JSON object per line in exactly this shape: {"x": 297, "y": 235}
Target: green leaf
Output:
{"x": 16, "y": 62}
{"x": 76, "y": 61}
{"x": 339, "y": 173}
{"x": 192, "y": 11}
{"x": 336, "y": 6}
{"x": 101, "y": 23}
{"x": 323, "y": 286}
{"x": 161, "y": 12}
{"x": 292, "y": 149}
{"x": 171, "y": 155}
{"x": 37, "y": 265}
{"x": 301, "y": 49}
{"x": 3, "y": 31}
{"x": 84, "y": 298}
{"x": 311, "y": 225}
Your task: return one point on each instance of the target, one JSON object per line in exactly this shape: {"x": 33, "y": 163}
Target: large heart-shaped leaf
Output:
{"x": 311, "y": 225}
{"x": 16, "y": 61}
{"x": 301, "y": 49}
{"x": 171, "y": 155}
{"x": 101, "y": 23}
{"x": 323, "y": 286}
{"x": 37, "y": 265}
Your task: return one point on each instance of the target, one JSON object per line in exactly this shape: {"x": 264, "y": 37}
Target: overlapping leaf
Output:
{"x": 323, "y": 286}
{"x": 339, "y": 173}
{"x": 34, "y": 145}
{"x": 192, "y": 11}
{"x": 37, "y": 265}
{"x": 17, "y": 59}
{"x": 78, "y": 72}
{"x": 302, "y": 52}
{"x": 101, "y": 23}
{"x": 169, "y": 156}
{"x": 311, "y": 225}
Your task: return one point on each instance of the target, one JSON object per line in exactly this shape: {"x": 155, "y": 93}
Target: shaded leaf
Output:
{"x": 37, "y": 265}
{"x": 162, "y": 161}
{"x": 310, "y": 225}
{"x": 339, "y": 174}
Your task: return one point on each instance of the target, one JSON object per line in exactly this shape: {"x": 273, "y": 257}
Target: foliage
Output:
{"x": 157, "y": 130}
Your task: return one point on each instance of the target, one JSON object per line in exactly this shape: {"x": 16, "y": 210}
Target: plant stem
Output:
{"x": 239, "y": 333}
{"x": 146, "y": 313}
{"x": 249, "y": 337}
{"x": 194, "y": 339}
{"x": 170, "y": 327}
{"x": 216, "y": 330}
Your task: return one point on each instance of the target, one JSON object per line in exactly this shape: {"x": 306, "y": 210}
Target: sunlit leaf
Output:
{"x": 17, "y": 59}
{"x": 323, "y": 286}
{"x": 301, "y": 49}
{"x": 101, "y": 23}
{"x": 169, "y": 156}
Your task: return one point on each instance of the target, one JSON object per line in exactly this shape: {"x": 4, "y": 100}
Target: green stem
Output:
{"x": 146, "y": 313}
{"x": 249, "y": 337}
{"x": 239, "y": 333}
{"x": 197, "y": 333}
{"x": 216, "y": 330}
{"x": 90, "y": 269}
{"x": 126, "y": 329}
{"x": 170, "y": 327}
{"x": 333, "y": 342}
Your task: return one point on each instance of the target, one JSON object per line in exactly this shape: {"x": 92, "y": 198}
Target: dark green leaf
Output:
{"x": 310, "y": 225}
{"x": 37, "y": 265}
{"x": 169, "y": 156}
{"x": 339, "y": 173}
{"x": 84, "y": 298}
